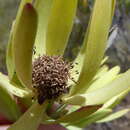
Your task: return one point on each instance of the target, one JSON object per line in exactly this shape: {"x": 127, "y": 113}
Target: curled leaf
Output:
{"x": 23, "y": 41}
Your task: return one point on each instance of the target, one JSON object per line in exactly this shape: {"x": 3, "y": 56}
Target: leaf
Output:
{"x": 73, "y": 128}
{"x": 104, "y": 80}
{"x": 104, "y": 60}
{"x": 102, "y": 95}
{"x": 79, "y": 114}
{"x": 31, "y": 119}
{"x": 19, "y": 92}
{"x": 60, "y": 26}
{"x": 43, "y": 8}
{"x": 83, "y": 122}
{"x": 113, "y": 7}
{"x": 104, "y": 69}
{"x": 9, "y": 56}
{"x": 15, "y": 81}
{"x": 114, "y": 116}
{"x": 116, "y": 99}
{"x": 94, "y": 43}
{"x": 76, "y": 70}
{"x": 8, "y": 106}
{"x": 75, "y": 100}
{"x": 23, "y": 42}
{"x": 22, "y": 4}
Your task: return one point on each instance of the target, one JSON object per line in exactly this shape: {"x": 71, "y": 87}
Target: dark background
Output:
{"x": 118, "y": 52}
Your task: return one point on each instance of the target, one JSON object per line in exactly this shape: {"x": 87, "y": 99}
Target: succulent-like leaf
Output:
{"x": 31, "y": 119}
{"x": 75, "y": 100}
{"x": 9, "y": 57}
{"x": 103, "y": 70}
{"x": 104, "y": 60}
{"x": 113, "y": 7}
{"x": 114, "y": 116}
{"x": 43, "y": 8}
{"x": 95, "y": 43}
{"x": 9, "y": 54}
{"x": 102, "y": 95}
{"x": 60, "y": 26}
{"x": 73, "y": 128}
{"x": 92, "y": 118}
{"x": 104, "y": 80}
{"x": 115, "y": 100}
{"x": 8, "y": 106}
{"x": 22, "y": 4}
{"x": 23, "y": 41}
{"x": 79, "y": 114}
{"x": 5, "y": 84}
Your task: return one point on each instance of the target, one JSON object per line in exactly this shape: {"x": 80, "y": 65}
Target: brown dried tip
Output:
{"x": 50, "y": 76}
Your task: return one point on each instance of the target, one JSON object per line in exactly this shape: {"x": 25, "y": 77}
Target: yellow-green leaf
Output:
{"x": 102, "y": 95}
{"x": 104, "y": 80}
{"x": 115, "y": 100}
{"x": 92, "y": 118}
{"x": 60, "y": 26}
{"x": 8, "y": 106}
{"x": 79, "y": 114}
{"x": 31, "y": 119}
{"x": 114, "y": 116}
{"x": 19, "y": 92}
{"x": 104, "y": 69}
{"x": 95, "y": 42}
{"x": 113, "y": 8}
{"x": 9, "y": 56}
{"x": 23, "y": 41}
{"x": 73, "y": 128}
{"x": 43, "y": 8}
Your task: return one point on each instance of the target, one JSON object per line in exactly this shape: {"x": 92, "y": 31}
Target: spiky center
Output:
{"x": 49, "y": 77}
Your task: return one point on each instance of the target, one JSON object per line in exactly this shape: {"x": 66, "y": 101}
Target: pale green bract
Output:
{"x": 46, "y": 25}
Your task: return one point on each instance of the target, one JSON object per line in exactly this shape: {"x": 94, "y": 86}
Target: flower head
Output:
{"x": 49, "y": 77}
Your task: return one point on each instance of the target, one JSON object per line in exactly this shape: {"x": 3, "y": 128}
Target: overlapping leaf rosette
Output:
{"x": 53, "y": 89}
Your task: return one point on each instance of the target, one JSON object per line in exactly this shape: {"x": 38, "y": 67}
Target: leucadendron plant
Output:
{"x": 52, "y": 89}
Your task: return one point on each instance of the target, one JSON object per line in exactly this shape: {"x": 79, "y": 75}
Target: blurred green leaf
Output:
{"x": 31, "y": 119}
{"x": 116, "y": 99}
{"x": 79, "y": 114}
{"x": 20, "y": 92}
{"x": 23, "y": 41}
{"x": 113, "y": 8}
{"x": 43, "y": 8}
{"x": 104, "y": 69}
{"x": 60, "y": 26}
{"x": 73, "y": 128}
{"x": 8, "y": 106}
{"x": 114, "y": 116}
{"x": 22, "y": 4}
{"x": 9, "y": 56}
{"x": 92, "y": 118}
{"x": 75, "y": 100}
{"x": 104, "y": 79}
{"x": 95, "y": 43}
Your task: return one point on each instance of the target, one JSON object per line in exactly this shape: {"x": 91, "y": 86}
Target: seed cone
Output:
{"x": 50, "y": 76}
